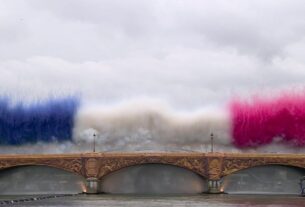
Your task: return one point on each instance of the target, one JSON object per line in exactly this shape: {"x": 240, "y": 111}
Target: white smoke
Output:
{"x": 150, "y": 125}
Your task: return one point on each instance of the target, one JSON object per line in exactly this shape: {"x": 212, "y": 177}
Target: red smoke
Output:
{"x": 260, "y": 121}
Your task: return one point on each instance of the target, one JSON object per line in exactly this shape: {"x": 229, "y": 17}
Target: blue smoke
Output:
{"x": 45, "y": 121}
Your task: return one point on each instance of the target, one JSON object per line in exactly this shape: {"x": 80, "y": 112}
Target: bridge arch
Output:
{"x": 39, "y": 179}
{"x": 153, "y": 178}
{"x": 110, "y": 165}
{"x": 237, "y": 168}
{"x": 71, "y": 171}
{"x": 268, "y": 178}
{"x": 73, "y": 165}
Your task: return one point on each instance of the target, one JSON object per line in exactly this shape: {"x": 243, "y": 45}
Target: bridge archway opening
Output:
{"x": 35, "y": 179}
{"x": 267, "y": 179}
{"x": 153, "y": 179}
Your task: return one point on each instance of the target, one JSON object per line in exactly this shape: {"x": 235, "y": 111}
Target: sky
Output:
{"x": 189, "y": 54}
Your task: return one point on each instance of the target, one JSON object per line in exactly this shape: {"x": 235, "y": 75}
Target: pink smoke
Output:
{"x": 261, "y": 120}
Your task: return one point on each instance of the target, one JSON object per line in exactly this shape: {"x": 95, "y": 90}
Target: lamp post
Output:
{"x": 94, "y": 135}
{"x": 212, "y": 142}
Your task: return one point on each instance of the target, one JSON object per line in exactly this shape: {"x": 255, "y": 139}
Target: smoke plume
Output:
{"x": 46, "y": 121}
{"x": 262, "y": 121}
{"x": 147, "y": 124}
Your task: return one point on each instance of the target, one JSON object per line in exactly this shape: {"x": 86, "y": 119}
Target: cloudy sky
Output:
{"x": 187, "y": 53}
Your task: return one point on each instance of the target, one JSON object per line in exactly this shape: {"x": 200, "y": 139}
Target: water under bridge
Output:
{"x": 213, "y": 167}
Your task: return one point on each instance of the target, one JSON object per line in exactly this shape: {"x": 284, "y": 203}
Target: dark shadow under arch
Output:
{"x": 153, "y": 179}
{"x": 264, "y": 179}
{"x": 39, "y": 179}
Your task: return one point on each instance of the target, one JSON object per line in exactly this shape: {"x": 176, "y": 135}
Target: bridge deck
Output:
{"x": 149, "y": 154}
{"x": 212, "y": 166}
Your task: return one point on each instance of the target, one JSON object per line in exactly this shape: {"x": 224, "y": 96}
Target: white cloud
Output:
{"x": 188, "y": 53}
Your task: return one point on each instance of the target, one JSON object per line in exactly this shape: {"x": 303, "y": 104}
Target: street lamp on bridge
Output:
{"x": 212, "y": 142}
{"x": 94, "y": 135}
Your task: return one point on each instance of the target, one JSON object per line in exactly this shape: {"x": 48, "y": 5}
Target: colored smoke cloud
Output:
{"x": 264, "y": 120}
{"x": 45, "y": 121}
{"x": 62, "y": 125}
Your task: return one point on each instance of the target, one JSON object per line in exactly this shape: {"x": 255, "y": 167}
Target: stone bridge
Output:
{"x": 94, "y": 166}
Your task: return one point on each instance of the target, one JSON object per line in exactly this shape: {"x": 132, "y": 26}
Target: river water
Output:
{"x": 202, "y": 200}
